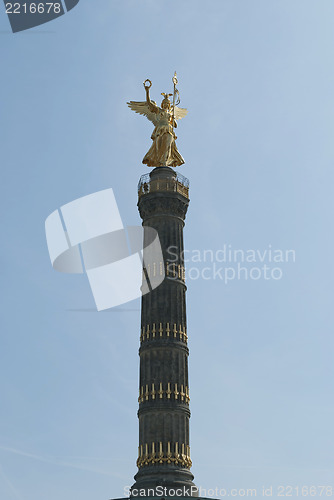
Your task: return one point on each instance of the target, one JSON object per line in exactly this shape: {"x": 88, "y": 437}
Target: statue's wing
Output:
{"x": 143, "y": 108}
{"x": 180, "y": 113}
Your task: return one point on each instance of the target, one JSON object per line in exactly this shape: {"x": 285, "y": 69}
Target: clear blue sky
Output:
{"x": 258, "y": 79}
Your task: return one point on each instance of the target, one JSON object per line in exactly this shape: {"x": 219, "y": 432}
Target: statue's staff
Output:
{"x": 174, "y": 80}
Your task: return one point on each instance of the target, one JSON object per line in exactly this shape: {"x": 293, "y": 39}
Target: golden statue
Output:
{"x": 163, "y": 152}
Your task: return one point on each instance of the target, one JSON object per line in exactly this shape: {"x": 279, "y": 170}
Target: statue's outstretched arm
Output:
{"x": 148, "y": 100}
{"x": 147, "y": 85}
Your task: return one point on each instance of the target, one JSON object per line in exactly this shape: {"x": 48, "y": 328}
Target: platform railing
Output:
{"x": 178, "y": 184}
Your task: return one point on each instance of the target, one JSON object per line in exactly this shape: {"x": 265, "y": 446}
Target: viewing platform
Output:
{"x": 157, "y": 180}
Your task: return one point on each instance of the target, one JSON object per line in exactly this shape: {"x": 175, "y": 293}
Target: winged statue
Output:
{"x": 163, "y": 151}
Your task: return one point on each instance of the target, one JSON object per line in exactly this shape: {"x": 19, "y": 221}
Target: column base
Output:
{"x": 163, "y": 483}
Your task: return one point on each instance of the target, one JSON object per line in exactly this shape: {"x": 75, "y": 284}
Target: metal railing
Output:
{"x": 178, "y": 184}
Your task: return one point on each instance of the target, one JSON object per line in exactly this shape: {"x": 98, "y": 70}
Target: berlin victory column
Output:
{"x": 163, "y": 196}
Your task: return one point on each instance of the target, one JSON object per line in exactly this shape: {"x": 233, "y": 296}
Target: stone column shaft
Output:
{"x": 164, "y": 448}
